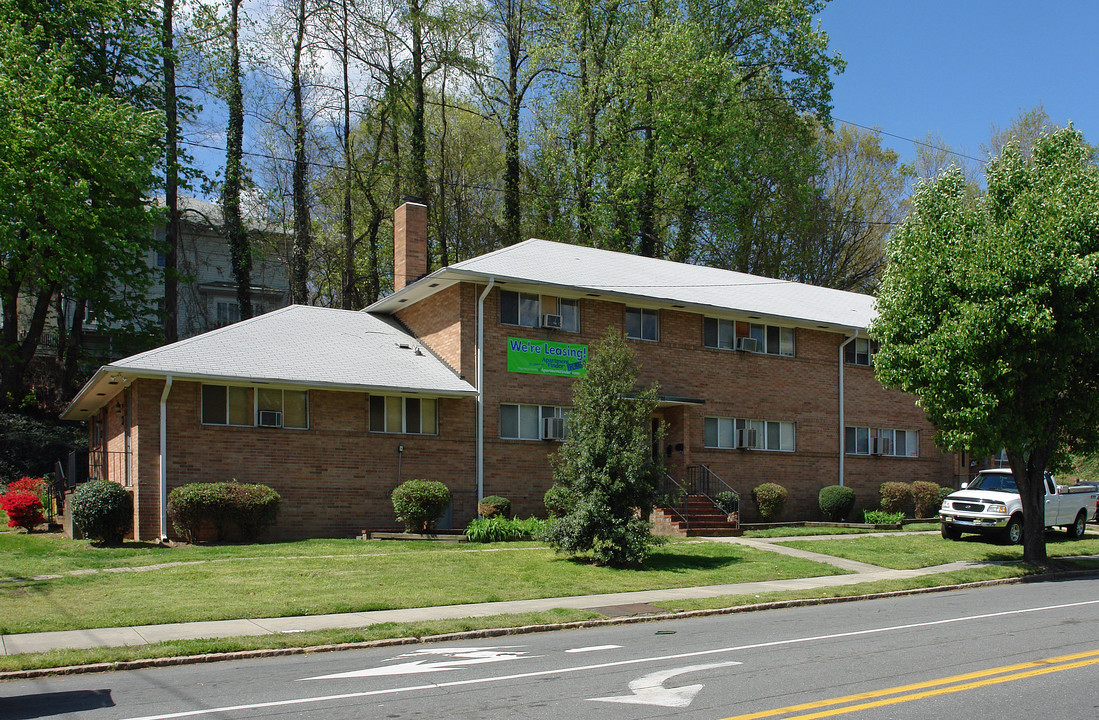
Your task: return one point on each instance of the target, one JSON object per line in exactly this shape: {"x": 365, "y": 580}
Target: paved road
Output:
{"x": 1029, "y": 650}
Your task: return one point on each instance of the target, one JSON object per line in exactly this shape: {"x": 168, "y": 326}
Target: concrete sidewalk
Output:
{"x": 606, "y": 603}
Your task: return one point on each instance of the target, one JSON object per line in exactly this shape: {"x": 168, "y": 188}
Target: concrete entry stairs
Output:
{"x": 696, "y": 510}
{"x": 695, "y": 516}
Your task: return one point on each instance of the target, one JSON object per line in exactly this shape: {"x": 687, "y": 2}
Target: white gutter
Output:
{"x": 481, "y": 391}
{"x": 844, "y": 344}
{"x": 164, "y": 458}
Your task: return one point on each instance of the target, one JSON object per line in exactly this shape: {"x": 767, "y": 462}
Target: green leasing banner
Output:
{"x": 546, "y": 358}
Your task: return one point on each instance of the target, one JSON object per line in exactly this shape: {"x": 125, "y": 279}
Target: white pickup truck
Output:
{"x": 990, "y": 505}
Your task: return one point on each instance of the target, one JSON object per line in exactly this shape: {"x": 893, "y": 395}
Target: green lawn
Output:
{"x": 906, "y": 552}
{"x": 327, "y": 576}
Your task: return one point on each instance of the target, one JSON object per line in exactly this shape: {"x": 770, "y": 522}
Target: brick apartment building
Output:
{"x": 465, "y": 376}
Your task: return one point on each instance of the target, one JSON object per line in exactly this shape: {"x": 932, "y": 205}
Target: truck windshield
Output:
{"x": 994, "y": 481}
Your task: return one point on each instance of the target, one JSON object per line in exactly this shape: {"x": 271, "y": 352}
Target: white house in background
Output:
{"x": 208, "y": 294}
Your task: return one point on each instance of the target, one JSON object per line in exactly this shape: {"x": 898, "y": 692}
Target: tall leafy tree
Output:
{"x": 606, "y": 464}
{"x": 676, "y": 123}
{"x": 81, "y": 137}
{"x": 987, "y": 312}
{"x": 858, "y": 198}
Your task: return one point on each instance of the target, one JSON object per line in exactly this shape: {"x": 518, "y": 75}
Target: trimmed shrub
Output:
{"x": 881, "y": 517}
{"x": 189, "y": 506}
{"x": 24, "y": 509}
{"x": 770, "y": 499}
{"x": 926, "y": 498}
{"x": 494, "y": 506}
{"x": 418, "y": 503}
{"x": 943, "y": 493}
{"x": 253, "y": 506}
{"x": 247, "y": 507}
{"x": 896, "y": 497}
{"x": 728, "y": 501}
{"x": 501, "y": 529}
{"x": 103, "y": 510}
{"x": 559, "y": 500}
{"x": 836, "y": 502}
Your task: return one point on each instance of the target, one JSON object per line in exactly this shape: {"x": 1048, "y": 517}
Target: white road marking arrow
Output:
{"x": 462, "y": 657}
{"x": 649, "y": 689}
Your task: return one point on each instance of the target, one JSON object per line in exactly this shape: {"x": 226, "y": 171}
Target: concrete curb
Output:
{"x": 519, "y": 630}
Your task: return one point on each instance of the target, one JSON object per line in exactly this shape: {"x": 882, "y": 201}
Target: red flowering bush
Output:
{"x": 24, "y": 508}
{"x": 29, "y": 484}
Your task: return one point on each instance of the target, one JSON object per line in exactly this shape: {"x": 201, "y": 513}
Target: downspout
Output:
{"x": 481, "y": 391}
{"x": 163, "y": 459}
{"x": 843, "y": 345}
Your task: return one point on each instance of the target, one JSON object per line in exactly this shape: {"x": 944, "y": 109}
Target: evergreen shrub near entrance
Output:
{"x": 605, "y": 470}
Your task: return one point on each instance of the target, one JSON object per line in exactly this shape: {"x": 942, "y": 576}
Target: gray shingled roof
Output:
{"x": 652, "y": 281}
{"x": 296, "y": 345}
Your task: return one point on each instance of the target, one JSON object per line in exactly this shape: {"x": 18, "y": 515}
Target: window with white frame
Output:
{"x": 860, "y": 351}
{"x": 409, "y": 415}
{"x": 227, "y": 313}
{"x": 642, "y": 324}
{"x": 889, "y": 442}
{"x": 245, "y": 406}
{"x": 567, "y": 309}
{"x": 770, "y": 339}
{"x": 528, "y": 422}
{"x": 723, "y": 432}
{"x": 520, "y": 308}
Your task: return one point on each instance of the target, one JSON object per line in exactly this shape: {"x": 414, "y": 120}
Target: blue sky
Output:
{"x": 956, "y": 67}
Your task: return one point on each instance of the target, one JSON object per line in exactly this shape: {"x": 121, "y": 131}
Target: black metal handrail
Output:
{"x": 701, "y": 480}
{"x": 675, "y": 493}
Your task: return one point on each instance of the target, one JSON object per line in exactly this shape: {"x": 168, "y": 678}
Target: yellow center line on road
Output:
{"x": 954, "y": 683}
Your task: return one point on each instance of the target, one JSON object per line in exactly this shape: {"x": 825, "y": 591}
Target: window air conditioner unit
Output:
{"x": 881, "y": 446}
{"x": 746, "y": 438}
{"x": 270, "y": 418}
{"x": 551, "y": 321}
{"x": 553, "y": 428}
{"x": 747, "y": 344}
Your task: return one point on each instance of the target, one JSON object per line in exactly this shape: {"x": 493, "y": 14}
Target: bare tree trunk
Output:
{"x": 348, "y": 292}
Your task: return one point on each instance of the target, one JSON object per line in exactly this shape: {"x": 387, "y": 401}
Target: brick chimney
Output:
{"x": 409, "y": 242}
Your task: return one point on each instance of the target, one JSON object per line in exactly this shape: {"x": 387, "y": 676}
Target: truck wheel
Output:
{"x": 1076, "y": 529}
{"x": 1013, "y": 533}
{"x": 949, "y": 532}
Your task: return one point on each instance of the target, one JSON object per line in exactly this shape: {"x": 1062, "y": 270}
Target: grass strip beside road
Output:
{"x": 908, "y": 552}
{"x": 313, "y": 639}
{"x": 383, "y": 631}
{"x": 339, "y": 576}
